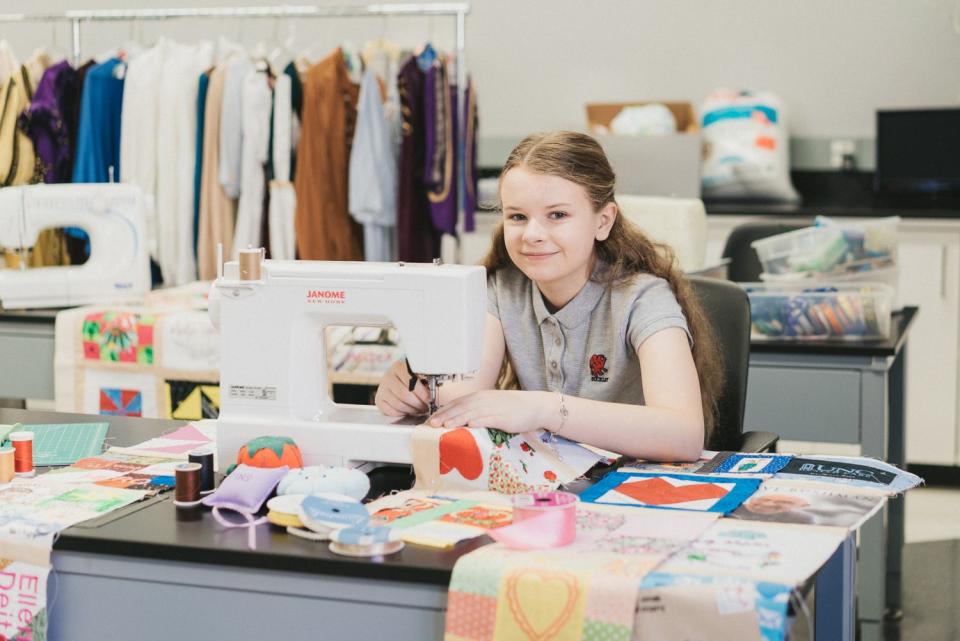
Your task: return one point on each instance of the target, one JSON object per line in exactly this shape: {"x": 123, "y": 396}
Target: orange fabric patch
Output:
{"x": 657, "y": 491}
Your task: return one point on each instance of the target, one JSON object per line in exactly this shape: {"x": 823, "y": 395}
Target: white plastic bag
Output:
{"x": 746, "y": 147}
{"x": 644, "y": 120}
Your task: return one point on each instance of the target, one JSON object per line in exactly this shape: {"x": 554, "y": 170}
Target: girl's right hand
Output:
{"x": 394, "y": 397}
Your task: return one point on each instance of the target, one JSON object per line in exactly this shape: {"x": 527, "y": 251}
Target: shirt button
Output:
{"x": 553, "y": 364}
{"x": 558, "y": 341}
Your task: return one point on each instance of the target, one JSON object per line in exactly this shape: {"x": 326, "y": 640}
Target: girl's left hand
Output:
{"x": 507, "y": 410}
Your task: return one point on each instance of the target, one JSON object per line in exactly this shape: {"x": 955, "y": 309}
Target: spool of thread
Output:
{"x": 187, "y": 492}
{"x": 6, "y": 465}
{"x": 203, "y": 456}
{"x": 540, "y": 520}
{"x": 22, "y": 453}
{"x": 250, "y": 260}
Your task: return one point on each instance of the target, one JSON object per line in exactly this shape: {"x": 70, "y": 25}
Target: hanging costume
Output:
{"x": 217, "y": 210}
{"x": 324, "y": 228}
{"x": 373, "y": 174}
{"x": 417, "y": 240}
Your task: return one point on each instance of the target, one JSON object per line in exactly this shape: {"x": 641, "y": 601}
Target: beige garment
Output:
{"x": 18, "y": 163}
{"x": 8, "y": 61}
{"x": 218, "y": 212}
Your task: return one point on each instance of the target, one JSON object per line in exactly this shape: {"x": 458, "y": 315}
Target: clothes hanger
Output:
{"x": 57, "y": 53}
{"x": 426, "y": 56}
{"x": 281, "y": 52}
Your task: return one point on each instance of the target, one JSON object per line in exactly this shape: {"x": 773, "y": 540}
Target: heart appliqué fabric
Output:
{"x": 530, "y": 589}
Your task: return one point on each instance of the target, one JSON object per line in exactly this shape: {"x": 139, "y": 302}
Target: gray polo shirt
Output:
{"x": 588, "y": 348}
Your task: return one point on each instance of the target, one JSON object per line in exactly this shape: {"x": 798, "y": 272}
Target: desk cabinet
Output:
{"x": 929, "y": 258}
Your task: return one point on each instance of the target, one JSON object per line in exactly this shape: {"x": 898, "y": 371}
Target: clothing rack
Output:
{"x": 458, "y": 10}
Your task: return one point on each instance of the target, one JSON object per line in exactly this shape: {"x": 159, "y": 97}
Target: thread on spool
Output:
{"x": 203, "y": 456}
{"x": 6, "y": 465}
{"x": 250, "y": 260}
{"x": 187, "y": 491}
{"x": 22, "y": 453}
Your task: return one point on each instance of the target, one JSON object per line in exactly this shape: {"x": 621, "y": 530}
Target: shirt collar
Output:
{"x": 578, "y": 310}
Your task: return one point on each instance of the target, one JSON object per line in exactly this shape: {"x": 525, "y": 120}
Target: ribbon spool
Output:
{"x": 283, "y": 510}
{"x": 187, "y": 491}
{"x": 22, "y": 453}
{"x": 6, "y": 465}
{"x": 540, "y": 520}
{"x": 365, "y": 541}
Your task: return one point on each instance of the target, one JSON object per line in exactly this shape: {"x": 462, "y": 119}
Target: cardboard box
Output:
{"x": 600, "y": 115}
{"x": 655, "y": 165}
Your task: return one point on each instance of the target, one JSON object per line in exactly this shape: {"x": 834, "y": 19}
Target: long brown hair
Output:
{"x": 626, "y": 251}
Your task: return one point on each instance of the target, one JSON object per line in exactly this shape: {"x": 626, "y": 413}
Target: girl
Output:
{"x": 607, "y": 342}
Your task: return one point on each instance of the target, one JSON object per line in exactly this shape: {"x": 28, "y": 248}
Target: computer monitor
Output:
{"x": 918, "y": 152}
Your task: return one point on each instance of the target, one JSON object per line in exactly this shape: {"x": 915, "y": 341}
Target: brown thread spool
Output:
{"x": 6, "y": 465}
{"x": 22, "y": 453}
{"x": 250, "y": 260}
{"x": 187, "y": 491}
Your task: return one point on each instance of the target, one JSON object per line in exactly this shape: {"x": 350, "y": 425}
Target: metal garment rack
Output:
{"x": 458, "y": 10}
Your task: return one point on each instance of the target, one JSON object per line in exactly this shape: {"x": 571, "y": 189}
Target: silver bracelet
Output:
{"x": 564, "y": 413}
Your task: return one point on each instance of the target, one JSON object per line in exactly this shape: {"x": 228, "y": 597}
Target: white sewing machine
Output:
{"x": 118, "y": 268}
{"x": 273, "y": 359}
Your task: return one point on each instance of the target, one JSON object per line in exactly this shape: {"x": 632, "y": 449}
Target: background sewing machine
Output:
{"x": 273, "y": 364}
{"x": 112, "y": 215}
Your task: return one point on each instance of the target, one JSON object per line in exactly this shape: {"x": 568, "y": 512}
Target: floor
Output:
{"x": 932, "y": 514}
{"x": 931, "y": 570}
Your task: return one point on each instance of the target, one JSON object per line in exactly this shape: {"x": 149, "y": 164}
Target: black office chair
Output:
{"x": 728, "y": 309}
{"x": 744, "y": 266}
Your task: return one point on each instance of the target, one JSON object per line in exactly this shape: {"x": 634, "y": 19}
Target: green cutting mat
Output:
{"x": 65, "y": 444}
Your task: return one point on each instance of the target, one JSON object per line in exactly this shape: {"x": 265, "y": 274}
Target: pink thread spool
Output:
{"x": 556, "y": 514}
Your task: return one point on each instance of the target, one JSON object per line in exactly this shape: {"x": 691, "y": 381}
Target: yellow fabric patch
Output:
{"x": 539, "y": 603}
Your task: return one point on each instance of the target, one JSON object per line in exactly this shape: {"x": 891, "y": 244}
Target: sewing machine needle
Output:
{"x": 432, "y": 385}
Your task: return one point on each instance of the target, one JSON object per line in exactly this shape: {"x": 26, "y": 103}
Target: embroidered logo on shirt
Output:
{"x": 598, "y": 367}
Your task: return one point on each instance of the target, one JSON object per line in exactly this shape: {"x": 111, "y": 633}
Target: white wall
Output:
{"x": 537, "y": 62}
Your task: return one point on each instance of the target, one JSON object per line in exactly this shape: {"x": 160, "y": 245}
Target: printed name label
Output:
{"x": 253, "y": 392}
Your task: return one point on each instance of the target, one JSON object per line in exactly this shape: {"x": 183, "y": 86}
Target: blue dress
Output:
{"x": 98, "y": 138}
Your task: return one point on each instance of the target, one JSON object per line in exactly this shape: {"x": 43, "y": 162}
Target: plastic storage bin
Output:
{"x": 801, "y": 312}
{"x": 831, "y": 248}
{"x": 889, "y": 276}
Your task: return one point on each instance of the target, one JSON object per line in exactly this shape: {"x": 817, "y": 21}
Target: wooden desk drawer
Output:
{"x": 804, "y": 404}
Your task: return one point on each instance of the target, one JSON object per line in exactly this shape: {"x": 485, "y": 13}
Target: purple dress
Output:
{"x": 47, "y": 122}
{"x": 417, "y": 239}
{"x": 470, "y": 157}
{"x": 440, "y": 169}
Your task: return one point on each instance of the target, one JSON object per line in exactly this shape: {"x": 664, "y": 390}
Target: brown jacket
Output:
{"x": 324, "y": 228}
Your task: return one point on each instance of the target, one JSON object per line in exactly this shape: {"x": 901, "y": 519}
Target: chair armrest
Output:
{"x": 758, "y": 442}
